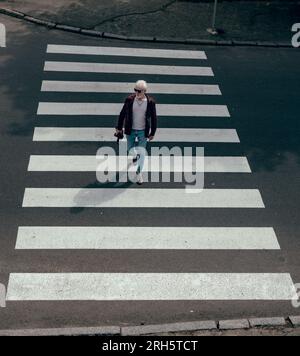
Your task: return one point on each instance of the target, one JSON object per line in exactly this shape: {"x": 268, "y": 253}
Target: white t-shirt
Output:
{"x": 139, "y": 114}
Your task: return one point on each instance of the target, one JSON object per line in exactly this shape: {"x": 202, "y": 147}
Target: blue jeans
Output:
{"x": 139, "y": 147}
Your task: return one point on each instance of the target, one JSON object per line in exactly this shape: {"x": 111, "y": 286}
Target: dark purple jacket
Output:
{"x": 126, "y": 116}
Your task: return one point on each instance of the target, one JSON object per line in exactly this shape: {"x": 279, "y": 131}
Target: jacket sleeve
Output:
{"x": 153, "y": 119}
{"x": 122, "y": 116}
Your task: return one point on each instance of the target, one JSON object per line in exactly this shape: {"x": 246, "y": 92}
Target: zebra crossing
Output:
{"x": 131, "y": 52}
{"x": 55, "y": 163}
{"x": 111, "y": 87}
{"x": 150, "y": 286}
{"x": 47, "y": 237}
{"x": 114, "y": 109}
{"x": 103, "y": 134}
{"x": 126, "y": 68}
{"x": 141, "y": 198}
{"x": 69, "y": 286}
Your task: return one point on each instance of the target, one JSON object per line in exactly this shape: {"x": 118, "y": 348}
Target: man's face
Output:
{"x": 139, "y": 92}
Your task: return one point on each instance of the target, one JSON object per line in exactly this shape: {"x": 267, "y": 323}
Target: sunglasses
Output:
{"x": 138, "y": 90}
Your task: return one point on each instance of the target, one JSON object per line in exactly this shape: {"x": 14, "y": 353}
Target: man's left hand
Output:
{"x": 151, "y": 138}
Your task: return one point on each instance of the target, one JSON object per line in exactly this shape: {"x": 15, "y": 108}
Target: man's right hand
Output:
{"x": 119, "y": 131}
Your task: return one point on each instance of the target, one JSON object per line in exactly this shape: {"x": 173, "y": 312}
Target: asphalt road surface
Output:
{"x": 75, "y": 252}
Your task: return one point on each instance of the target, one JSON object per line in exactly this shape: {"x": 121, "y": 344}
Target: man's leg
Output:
{"x": 141, "y": 149}
{"x": 131, "y": 143}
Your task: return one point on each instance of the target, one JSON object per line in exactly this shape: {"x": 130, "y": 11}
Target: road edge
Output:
{"x": 99, "y": 34}
{"x": 222, "y": 325}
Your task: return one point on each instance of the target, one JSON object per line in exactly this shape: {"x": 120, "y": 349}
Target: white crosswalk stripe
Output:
{"x": 140, "y": 286}
{"x": 105, "y": 134}
{"x": 73, "y": 163}
{"x": 100, "y": 109}
{"x": 120, "y": 87}
{"x": 150, "y": 286}
{"x": 53, "y": 66}
{"x": 131, "y": 52}
{"x": 141, "y": 198}
{"x": 142, "y": 238}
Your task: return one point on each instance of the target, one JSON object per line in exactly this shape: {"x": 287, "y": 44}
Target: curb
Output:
{"x": 105, "y": 331}
{"x": 86, "y": 32}
{"x": 241, "y": 324}
{"x": 223, "y": 325}
{"x": 167, "y": 328}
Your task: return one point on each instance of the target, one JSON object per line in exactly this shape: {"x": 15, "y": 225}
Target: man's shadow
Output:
{"x": 87, "y": 194}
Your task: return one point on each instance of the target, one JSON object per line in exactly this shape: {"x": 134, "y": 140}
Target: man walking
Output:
{"x": 138, "y": 117}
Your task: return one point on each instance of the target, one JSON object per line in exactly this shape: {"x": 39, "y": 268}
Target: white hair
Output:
{"x": 141, "y": 84}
